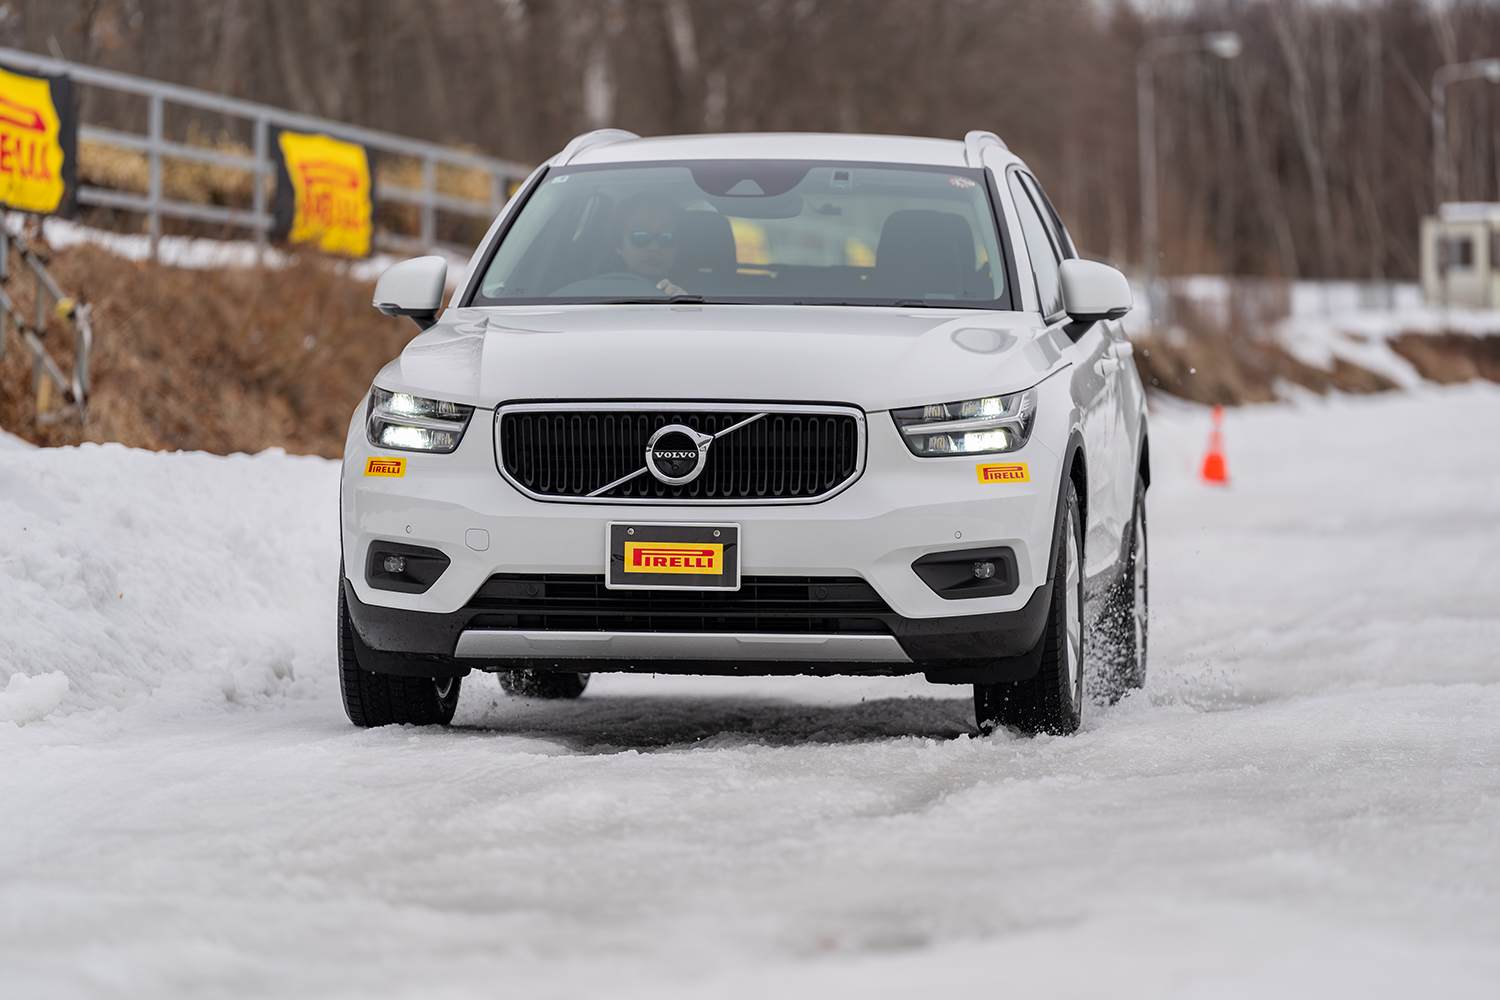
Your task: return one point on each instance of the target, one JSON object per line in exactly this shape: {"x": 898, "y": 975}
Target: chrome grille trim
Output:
{"x": 668, "y": 407}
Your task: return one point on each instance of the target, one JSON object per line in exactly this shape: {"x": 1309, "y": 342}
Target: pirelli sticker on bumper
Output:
{"x": 1004, "y": 472}
{"x": 390, "y": 468}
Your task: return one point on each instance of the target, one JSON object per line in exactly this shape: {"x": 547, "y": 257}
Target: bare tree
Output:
{"x": 1307, "y": 155}
{"x": 1291, "y": 38}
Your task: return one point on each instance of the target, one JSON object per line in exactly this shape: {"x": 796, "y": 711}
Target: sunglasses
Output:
{"x": 642, "y": 240}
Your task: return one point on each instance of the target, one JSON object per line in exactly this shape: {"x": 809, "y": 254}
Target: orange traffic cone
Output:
{"x": 1215, "y": 469}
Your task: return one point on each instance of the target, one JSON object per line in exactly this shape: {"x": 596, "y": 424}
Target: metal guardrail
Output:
{"x": 260, "y": 164}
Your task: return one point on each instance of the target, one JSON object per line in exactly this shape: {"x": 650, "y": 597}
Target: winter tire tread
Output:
{"x": 372, "y": 699}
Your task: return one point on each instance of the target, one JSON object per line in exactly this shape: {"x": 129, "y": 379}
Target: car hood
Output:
{"x": 876, "y": 358}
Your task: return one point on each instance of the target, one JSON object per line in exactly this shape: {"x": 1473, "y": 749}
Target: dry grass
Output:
{"x": 221, "y": 361}
{"x": 182, "y": 180}
{"x": 1226, "y": 370}
{"x": 1225, "y": 356}
{"x": 407, "y": 172}
{"x": 1451, "y": 357}
{"x": 107, "y": 166}
{"x": 111, "y": 167}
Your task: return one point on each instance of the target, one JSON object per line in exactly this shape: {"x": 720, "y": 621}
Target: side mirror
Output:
{"x": 1092, "y": 291}
{"x": 413, "y": 288}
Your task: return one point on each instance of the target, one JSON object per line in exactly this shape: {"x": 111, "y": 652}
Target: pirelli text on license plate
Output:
{"x": 671, "y": 556}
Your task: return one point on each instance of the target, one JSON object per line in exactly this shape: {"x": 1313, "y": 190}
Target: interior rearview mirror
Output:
{"x": 413, "y": 288}
{"x": 1093, "y": 291}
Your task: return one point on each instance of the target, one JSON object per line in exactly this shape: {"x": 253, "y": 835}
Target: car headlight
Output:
{"x": 968, "y": 427}
{"x": 412, "y": 423}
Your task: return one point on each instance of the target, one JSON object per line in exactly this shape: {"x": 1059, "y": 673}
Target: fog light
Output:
{"x": 406, "y": 569}
{"x": 967, "y": 573}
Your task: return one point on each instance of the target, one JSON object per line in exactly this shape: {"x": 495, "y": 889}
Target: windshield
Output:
{"x": 752, "y": 231}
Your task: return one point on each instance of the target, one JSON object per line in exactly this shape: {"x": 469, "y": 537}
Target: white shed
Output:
{"x": 1461, "y": 255}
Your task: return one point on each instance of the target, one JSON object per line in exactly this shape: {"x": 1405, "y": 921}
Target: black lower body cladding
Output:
{"x": 952, "y": 650}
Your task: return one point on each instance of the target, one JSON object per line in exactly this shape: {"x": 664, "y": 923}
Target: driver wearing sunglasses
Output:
{"x": 643, "y": 235}
{"x": 646, "y": 238}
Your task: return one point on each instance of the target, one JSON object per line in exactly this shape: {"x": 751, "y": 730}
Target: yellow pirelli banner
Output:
{"x": 325, "y": 193}
{"x": 38, "y": 143}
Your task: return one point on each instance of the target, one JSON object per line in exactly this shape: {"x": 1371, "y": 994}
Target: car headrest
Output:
{"x": 922, "y": 252}
{"x": 705, "y": 243}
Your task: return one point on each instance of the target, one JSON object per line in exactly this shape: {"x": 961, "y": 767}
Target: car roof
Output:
{"x": 778, "y": 146}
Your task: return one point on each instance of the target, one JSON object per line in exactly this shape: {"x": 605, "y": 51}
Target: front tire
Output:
{"x": 372, "y": 699}
{"x": 1051, "y": 701}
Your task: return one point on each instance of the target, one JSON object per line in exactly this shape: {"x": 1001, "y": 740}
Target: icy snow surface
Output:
{"x": 1305, "y": 800}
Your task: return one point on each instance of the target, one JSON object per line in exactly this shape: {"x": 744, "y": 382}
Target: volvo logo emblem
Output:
{"x": 677, "y": 454}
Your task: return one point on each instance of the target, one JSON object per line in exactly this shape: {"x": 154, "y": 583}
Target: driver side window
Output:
{"x": 1044, "y": 257}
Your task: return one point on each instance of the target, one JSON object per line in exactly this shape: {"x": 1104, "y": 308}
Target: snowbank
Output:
{"x": 10, "y": 442}
{"x": 178, "y": 576}
{"x": 29, "y": 699}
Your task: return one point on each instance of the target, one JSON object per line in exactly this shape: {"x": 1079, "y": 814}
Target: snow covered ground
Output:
{"x": 1305, "y": 800}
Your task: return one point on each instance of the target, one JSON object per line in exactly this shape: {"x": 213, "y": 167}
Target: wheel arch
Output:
{"x": 1144, "y": 468}
{"x": 1075, "y": 470}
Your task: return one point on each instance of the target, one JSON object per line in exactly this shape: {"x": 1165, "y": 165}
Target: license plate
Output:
{"x": 666, "y": 556}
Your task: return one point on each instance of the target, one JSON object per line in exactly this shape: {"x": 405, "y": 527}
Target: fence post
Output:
{"x": 83, "y": 341}
{"x": 154, "y": 196}
{"x": 37, "y": 372}
{"x": 41, "y": 308}
{"x": 429, "y": 191}
{"x": 262, "y": 228}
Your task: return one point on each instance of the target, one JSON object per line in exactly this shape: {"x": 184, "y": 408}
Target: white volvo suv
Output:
{"x": 754, "y": 404}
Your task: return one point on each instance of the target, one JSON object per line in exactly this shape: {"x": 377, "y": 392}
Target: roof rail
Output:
{"x": 598, "y": 137}
{"x": 974, "y": 144}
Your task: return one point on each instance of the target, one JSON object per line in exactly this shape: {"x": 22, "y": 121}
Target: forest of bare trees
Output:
{"x": 1308, "y": 156}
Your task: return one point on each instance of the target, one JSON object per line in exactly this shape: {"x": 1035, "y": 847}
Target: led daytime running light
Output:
{"x": 413, "y": 423}
{"x": 985, "y": 426}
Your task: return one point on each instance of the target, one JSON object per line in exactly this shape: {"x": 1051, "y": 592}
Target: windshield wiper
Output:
{"x": 665, "y": 299}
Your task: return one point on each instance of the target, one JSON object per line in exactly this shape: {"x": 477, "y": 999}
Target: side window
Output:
{"x": 1039, "y": 246}
{"x": 1050, "y": 216}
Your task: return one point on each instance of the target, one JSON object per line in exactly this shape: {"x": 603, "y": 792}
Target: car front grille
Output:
{"x": 791, "y": 454}
{"x": 776, "y": 604}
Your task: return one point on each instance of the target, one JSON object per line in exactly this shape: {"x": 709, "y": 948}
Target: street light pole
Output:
{"x": 1451, "y": 73}
{"x": 1225, "y": 45}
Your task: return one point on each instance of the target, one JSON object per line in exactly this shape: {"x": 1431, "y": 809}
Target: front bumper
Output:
{"x": 961, "y": 649}
{"x": 900, "y": 509}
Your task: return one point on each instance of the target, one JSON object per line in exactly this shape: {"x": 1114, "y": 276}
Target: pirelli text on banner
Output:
{"x": 325, "y": 193}
{"x": 38, "y": 143}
